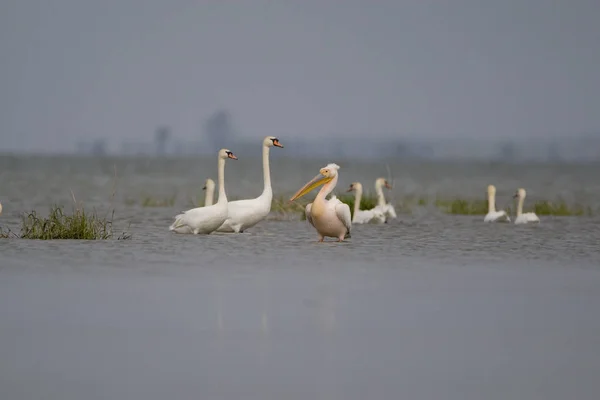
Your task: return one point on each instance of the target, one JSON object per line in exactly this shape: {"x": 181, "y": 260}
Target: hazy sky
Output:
{"x": 74, "y": 69}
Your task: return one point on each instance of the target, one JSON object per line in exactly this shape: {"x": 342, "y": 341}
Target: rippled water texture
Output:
{"x": 428, "y": 306}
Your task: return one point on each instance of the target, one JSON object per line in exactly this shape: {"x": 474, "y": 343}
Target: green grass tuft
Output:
{"x": 559, "y": 209}
{"x": 463, "y": 207}
{"x": 149, "y": 201}
{"x": 79, "y": 225}
{"x": 283, "y": 209}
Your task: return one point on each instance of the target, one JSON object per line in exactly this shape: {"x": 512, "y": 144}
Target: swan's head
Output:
{"x": 271, "y": 141}
{"x": 520, "y": 194}
{"x": 226, "y": 153}
{"x": 355, "y": 186}
{"x": 491, "y": 190}
{"x": 382, "y": 182}
{"x": 209, "y": 184}
{"x": 326, "y": 175}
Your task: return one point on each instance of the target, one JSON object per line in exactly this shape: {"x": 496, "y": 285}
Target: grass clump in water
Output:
{"x": 79, "y": 225}
{"x": 463, "y": 207}
{"x": 283, "y": 209}
{"x": 559, "y": 209}
{"x": 149, "y": 201}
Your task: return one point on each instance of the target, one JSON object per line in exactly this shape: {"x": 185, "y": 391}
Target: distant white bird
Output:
{"x": 329, "y": 217}
{"x": 493, "y": 215}
{"x": 244, "y": 214}
{"x": 386, "y": 208}
{"x": 374, "y": 216}
{"x": 523, "y": 218}
{"x": 0, "y": 208}
{"x": 209, "y": 188}
{"x": 206, "y": 219}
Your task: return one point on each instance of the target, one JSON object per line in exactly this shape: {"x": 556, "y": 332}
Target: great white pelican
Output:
{"x": 493, "y": 215}
{"x": 206, "y": 219}
{"x": 523, "y": 218}
{"x": 244, "y": 214}
{"x": 329, "y": 217}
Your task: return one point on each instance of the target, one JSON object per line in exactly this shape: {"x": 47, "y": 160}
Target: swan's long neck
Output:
{"x": 520, "y": 206}
{"x": 266, "y": 172}
{"x": 208, "y": 196}
{"x": 221, "y": 172}
{"x": 357, "y": 198}
{"x": 491, "y": 203}
{"x": 380, "y": 196}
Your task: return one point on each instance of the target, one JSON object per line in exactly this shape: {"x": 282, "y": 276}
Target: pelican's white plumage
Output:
{"x": 493, "y": 215}
{"x": 523, "y": 218}
{"x": 373, "y": 216}
{"x": 209, "y": 189}
{"x": 386, "y": 208}
{"x": 206, "y": 219}
{"x": 331, "y": 217}
{"x": 244, "y": 214}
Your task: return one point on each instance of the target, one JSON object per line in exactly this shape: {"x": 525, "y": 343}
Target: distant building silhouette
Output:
{"x": 161, "y": 137}
{"x": 507, "y": 151}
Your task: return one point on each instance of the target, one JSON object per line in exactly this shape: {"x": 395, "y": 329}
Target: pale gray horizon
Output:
{"x": 76, "y": 70}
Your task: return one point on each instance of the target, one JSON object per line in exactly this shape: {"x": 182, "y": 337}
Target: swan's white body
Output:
{"x": 209, "y": 194}
{"x": 244, "y": 214}
{"x": 386, "y": 208}
{"x": 206, "y": 219}
{"x": 523, "y": 218}
{"x": 373, "y": 216}
{"x": 493, "y": 215}
{"x": 331, "y": 217}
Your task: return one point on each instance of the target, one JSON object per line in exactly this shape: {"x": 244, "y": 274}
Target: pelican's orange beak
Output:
{"x": 312, "y": 184}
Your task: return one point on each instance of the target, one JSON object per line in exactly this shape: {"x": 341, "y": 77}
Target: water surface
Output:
{"x": 428, "y": 306}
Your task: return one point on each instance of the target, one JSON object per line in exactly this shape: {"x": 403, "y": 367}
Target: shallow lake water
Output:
{"x": 428, "y": 306}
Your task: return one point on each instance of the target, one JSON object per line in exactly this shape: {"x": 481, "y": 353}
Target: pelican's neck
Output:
{"x": 380, "y": 196}
{"x": 208, "y": 197}
{"x": 325, "y": 190}
{"x": 520, "y": 206}
{"x": 357, "y": 198}
{"x": 491, "y": 203}
{"x": 221, "y": 172}
{"x": 266, "y": 172}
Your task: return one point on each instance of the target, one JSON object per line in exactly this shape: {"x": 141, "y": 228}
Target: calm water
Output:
{"x": 428, "y": 306}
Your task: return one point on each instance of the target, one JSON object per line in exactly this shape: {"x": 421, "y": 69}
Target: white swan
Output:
{"x": 374, "y": 216}
{"x": 244, "y": 214}
{"x": 386, "y": 208}
{"x": 329, "y": 217}
{"x": 493, "y": 215}
{"x": 206, "y": 219}
{"x": 523, "y": 218}
{"x": 209, "y": 188}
